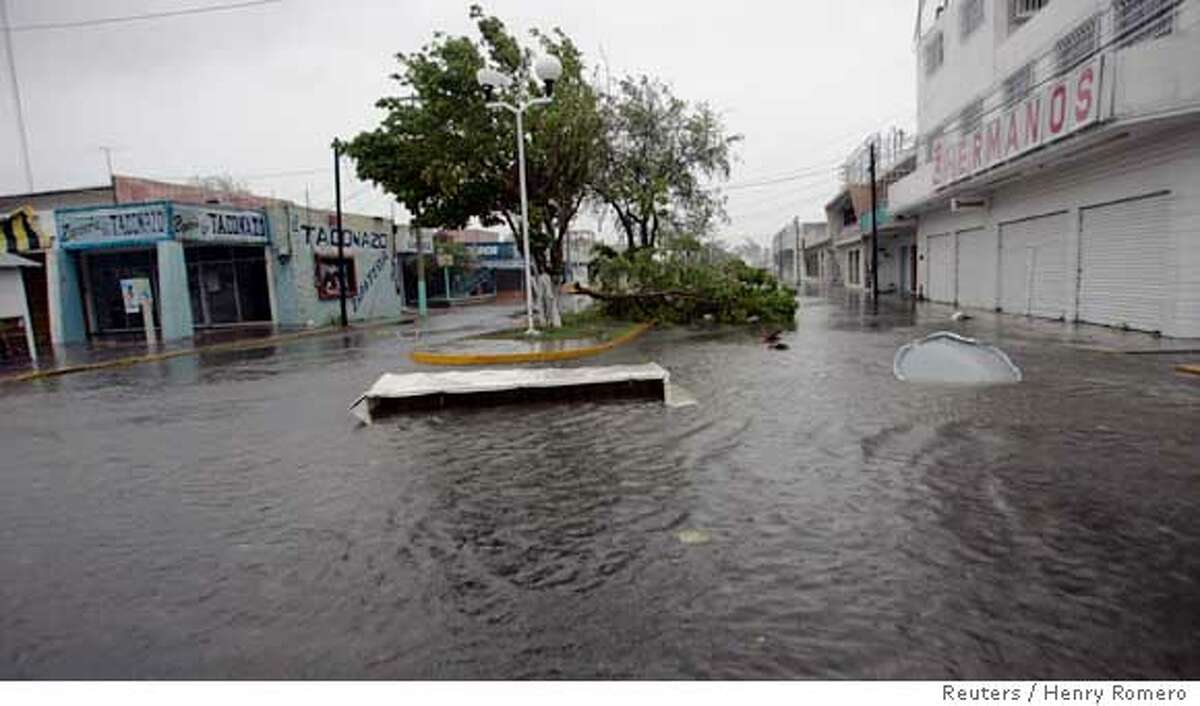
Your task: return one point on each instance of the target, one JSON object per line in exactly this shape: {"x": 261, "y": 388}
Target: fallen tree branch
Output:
{"x": 612, "y": 296}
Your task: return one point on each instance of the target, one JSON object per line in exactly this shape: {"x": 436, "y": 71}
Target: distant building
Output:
{"x": 1058, "y": 162}
{"x": 849, "y": 218}
{"x": 797, "y": 249}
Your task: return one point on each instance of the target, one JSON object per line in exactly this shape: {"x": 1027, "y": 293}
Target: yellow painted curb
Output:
{"x": 1191, "y": 369}
{"x": 434, "y": 358}
{"x": 249, "y": 344}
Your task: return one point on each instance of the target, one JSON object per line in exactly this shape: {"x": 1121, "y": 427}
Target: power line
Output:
{"x": 796, "y": 176}
{"x": 137, "y": 18}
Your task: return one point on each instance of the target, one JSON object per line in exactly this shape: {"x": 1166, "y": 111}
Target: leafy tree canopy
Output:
{"x": 449, "y": 158}
{"x": 659, "y": 152}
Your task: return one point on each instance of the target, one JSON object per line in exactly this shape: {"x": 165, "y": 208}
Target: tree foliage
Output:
{"x": 449, "y": 158}
{"x": 658, "y": 154}
{"x": 686, "y": 283}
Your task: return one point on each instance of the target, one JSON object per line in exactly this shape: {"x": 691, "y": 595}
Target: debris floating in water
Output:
{"x": 945, "y": 357}
{"x": 488, "y": 387}
{"x": 693, "y": 536}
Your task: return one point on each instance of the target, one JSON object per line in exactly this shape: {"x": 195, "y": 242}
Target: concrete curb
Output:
{"x": 249, "y": 344}
{"x": 435, "y": 358}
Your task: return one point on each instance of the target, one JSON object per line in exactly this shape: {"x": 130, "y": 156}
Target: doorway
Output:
{"x": 103, "y": 273}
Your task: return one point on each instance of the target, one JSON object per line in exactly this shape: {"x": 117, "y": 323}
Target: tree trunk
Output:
{"x": 549, "y": 310}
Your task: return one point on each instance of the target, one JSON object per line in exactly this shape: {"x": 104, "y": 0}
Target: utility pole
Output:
{"x": 796, "y": 253}
{"x": 16, "y": 91}
{"x": 108, "y": 161}
{"x": 422, "y": 307}
{"x": 337, "y": 197}
{"x": 874, "y": 233}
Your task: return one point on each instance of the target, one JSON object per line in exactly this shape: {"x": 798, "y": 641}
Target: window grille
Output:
{"x": 1023, "y": 10}
{"x": 1138, "y": 20}
{"x": 1018, "y": 84}
{"x": 1077, "y": 45}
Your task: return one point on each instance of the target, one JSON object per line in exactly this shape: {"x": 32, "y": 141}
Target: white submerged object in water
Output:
{"x": 476, "y": 388}
{"x": 945, "y": 357}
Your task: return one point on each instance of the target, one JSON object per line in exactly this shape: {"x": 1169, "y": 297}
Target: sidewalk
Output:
{"x": 96, "y": 355}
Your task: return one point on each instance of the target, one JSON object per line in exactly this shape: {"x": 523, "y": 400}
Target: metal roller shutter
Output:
{"x": 939, "y": 269}
{"x": 1034, "y": 277}
{"x": 1123, "y": 262}
{"x": 977, "y": 268}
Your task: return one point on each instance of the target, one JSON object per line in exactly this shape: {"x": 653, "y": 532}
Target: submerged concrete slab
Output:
{"x": 475, "y": 388}
{"x": 503, "y": 351}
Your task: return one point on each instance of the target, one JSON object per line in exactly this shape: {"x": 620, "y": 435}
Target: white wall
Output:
{"x": 13, "y": 304}
{"x": 1162, "y": 160}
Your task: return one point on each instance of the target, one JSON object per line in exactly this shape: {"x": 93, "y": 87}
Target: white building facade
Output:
{"x": 797, "y": 251}
{"x": 1058, "y": 165}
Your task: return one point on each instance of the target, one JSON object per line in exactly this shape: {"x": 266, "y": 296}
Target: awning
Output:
{"x": 21, "y": 232}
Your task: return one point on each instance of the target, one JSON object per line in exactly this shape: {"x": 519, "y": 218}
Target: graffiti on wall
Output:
{"x": 371, "y": 277}
{"x": 319, "y": 236}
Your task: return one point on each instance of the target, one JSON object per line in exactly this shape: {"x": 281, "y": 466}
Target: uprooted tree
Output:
{"x": 686, "y": 281}
{"x": 449, "y": 158}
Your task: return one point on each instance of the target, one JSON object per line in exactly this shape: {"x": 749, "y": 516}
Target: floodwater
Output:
{"x": 810, "y": 517}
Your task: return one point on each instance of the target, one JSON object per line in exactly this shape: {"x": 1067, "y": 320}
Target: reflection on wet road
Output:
{"x": 812, "y": 516}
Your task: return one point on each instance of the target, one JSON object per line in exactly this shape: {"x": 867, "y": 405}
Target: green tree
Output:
{"x": 659, "y": 152}
{"x": 449, "y": 158}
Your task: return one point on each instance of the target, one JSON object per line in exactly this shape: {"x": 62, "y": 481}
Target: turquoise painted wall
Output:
{"x": 174, "y": 303}
{"x": 299, "y": 235}
{"x": 66, "y": 299}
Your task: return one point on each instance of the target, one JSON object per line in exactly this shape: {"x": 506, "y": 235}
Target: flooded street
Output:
{"x": 223, "y": 516}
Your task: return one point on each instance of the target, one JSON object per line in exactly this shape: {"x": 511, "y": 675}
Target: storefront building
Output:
{"x": 305, "y": 266}
{"x": 1061, "y": 184}
{"x": 207, "y": 267}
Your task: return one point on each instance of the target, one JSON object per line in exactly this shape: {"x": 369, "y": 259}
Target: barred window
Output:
{"x": 1019, "y": 11}
{"x": 970, "y": 17}
{"x": 1078, "y": 44}
{"x": 1138, "y": 20}
{"x": 934, "y": 53}
{"x": 1018, "y": 84}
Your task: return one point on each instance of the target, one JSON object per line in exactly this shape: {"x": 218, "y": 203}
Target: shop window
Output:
{"x": 854, "y": 266}
{"x": 934, "y": 53}
{"x": 326, "y": 271}
{"x": 103, "y": 286}
{"x": 970, "y": 17}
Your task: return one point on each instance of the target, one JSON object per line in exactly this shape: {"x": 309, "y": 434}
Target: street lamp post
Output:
{"x": 548, "y": 69}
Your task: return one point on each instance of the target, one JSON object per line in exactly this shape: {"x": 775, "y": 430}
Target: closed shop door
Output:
{"x": 1034, "y": 277}
{"x": 940, "y": 268}
{"x": 977, "y": 268}
{"x": 1123, "y": 261}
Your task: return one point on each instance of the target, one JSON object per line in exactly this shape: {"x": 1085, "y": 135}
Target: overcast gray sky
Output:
{"x": 260, "y": 92}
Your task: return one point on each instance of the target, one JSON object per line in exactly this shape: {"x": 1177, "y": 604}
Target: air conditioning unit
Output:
{"x": 968, "y": 203}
